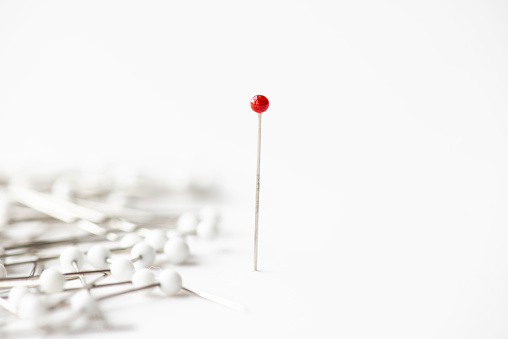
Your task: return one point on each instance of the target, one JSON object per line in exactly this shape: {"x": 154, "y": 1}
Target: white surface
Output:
{"x": 384, "y": 203}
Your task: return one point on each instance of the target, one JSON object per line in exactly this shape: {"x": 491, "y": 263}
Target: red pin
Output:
{"x": 259, "y": 104}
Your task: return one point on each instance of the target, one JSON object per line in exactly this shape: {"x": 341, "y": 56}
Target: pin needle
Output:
{"x": 259, "y": 104}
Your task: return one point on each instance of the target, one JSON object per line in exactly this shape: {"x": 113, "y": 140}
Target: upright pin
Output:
{"x": 259, "y": 104}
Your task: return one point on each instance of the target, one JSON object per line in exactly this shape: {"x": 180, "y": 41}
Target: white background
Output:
{"x": 384, "y": 205}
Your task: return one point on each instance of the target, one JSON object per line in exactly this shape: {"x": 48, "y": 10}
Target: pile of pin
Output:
{"x": 65, "y": 236}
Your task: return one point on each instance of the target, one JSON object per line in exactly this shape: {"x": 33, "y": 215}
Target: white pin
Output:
{"x": 121, "y": 269}
{"x": 259, "y": 104}
{"x": 25, "y": 305}
{"x": 51, "y": 280}
{"x": 142, "y": 255}
{"x": 176, "y": 250}
{"x": 170, "y": 283}
{"x": 73, "y": 257}
{"x": 140, "y": 278}
{"x": 33, "y": 281}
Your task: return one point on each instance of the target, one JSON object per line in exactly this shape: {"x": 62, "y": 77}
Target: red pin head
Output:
{"x": 259, "y": 103}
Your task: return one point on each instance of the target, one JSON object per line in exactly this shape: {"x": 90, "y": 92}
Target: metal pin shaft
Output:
{"x": 257, "y": 195}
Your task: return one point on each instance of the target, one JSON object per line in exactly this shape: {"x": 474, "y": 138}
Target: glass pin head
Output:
{"x": 259, "y": 103}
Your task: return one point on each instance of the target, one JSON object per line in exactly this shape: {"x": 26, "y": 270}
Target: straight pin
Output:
{"x": 259, "y": 104}
{"x": 170, "y": 283}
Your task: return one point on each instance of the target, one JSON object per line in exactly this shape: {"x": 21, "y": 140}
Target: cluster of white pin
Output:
{"x": 34, "y": 304}
{"x": 108, "y": 257}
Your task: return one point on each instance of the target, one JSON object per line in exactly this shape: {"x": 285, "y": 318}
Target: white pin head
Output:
{"x": 130, "y": 239}
{"x": 97, "y": 256}
{"x": 207, "y": 229}
{"x": 170, "y": 282}
{"x": 51, "y": 281}
{"x": 156, "y": 239}
{"x": 71, "y": 255}
{"x": 143, "y": 277}
{"x": 16, "y": 293}
{"x": 176, "y": 250}
{"x": 143, "y": 254}
{"x": 122, "y": 269}
{"x": 82, "y": 302}
{"x": 31, "y": 307}
{"x": 187, "y": 223}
